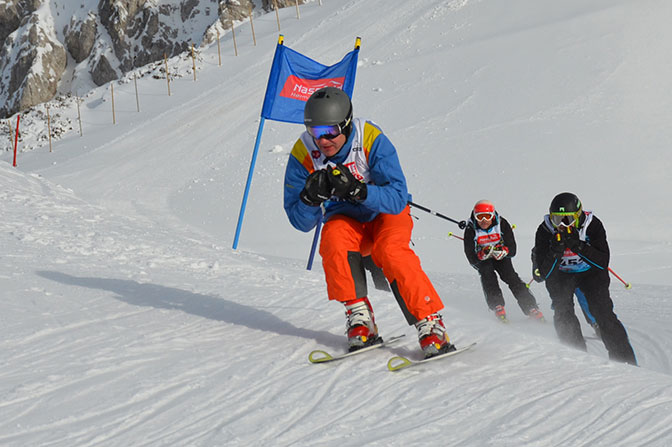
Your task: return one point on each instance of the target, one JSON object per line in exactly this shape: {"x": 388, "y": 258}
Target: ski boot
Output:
{"x": 361, "y": 326}
{"x": 535, "y": 314}
{"x": 432, "y": 336}
{"x": 500, "y": 313}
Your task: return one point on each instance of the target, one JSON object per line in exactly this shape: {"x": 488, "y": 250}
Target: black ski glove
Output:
{"x": 536, "y": 274}
{"x": 557, "y": 246}
{"x": 317, "y": 188}
{"x": 345, "y": 185}
{"x": 572, "y": 241}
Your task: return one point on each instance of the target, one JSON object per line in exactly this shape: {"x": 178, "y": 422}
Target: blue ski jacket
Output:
{"x": 386, "y": 192}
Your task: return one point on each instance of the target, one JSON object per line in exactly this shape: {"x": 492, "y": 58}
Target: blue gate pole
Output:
{"x": 316, "y": 237}
{"x": 249, "y": 182}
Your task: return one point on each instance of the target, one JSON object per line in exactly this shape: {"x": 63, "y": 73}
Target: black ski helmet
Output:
{"x": 566, "y": 204}
{"x": 329, "y": 106}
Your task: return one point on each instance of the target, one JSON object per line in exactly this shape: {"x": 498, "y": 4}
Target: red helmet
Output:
{"x": 484, "y": 206}
{"x": 484, "y": 210}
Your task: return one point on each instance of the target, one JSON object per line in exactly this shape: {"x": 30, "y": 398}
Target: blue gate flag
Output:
{"x": 294, "y": 77}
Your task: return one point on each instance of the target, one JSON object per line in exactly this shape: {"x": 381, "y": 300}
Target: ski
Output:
{"x": 398, "y": 362}
{"x": 319, "y": 356}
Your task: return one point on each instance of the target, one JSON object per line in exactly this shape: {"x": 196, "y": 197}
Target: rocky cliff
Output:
{"x": 50, "y": 45}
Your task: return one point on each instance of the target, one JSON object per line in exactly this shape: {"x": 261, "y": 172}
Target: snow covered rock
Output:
{"x": 32, "y": 61}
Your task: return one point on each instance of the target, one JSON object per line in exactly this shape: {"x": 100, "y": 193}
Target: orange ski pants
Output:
{"x": 387, "y": 239}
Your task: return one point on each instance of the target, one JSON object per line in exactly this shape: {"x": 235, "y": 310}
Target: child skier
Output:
{"x": 489, "y": 245}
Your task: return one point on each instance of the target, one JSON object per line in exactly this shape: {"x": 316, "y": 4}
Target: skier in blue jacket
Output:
{"x": 346, "y": 171}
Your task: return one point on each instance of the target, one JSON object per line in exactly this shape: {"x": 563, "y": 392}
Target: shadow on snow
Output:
{"x": 207, "y": 306}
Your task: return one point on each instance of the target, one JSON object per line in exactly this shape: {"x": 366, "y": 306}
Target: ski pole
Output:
{"x": 462, "y": 224}
{"x": 626, "y": 284}
{"x": 450, "y": 233}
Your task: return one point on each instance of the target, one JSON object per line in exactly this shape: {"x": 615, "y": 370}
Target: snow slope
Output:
{"x": 126, "y": 318}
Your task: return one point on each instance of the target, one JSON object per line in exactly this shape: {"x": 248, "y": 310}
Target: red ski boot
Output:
{"x": 361, "y": 325}
{"x": 432, "y": 336}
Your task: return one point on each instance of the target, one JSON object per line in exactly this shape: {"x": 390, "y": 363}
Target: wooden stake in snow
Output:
{"x": 254, "y": 38}
{"x": 114, "y": 118}
{"x": 298, "y": 14}
{"x": 233, "y": 33}
{"x": 79, "y": 118}
{"x": 277, "y": 16}
{"x": 219, "y": 50}
{"x": 193, "y": 60}
{"x": 135, "y": 81}
{"x": 49, "y": 127}
{"x": 165, "y": 60}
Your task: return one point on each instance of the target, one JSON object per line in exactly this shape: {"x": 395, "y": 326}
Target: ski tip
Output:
{"x": 397, "y": 362}
{"x": 319, "y": 356}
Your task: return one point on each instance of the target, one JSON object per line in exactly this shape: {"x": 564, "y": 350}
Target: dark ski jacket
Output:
{"x": 594, "y": 250}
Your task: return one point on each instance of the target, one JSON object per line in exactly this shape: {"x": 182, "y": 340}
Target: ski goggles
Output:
{"x": 482, "y": 217}
{"x": 564, "y": 219}
{"x": 326, "y": 132}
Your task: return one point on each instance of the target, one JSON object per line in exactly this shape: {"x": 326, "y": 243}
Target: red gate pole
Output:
{"x": 626, "y": 284}
{"x": 16, "y": 137}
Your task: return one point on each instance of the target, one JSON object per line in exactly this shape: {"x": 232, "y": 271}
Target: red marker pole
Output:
{"x": 16, "y": 137}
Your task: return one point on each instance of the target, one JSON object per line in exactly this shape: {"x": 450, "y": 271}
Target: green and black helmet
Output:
{"x": 566, "y": 210}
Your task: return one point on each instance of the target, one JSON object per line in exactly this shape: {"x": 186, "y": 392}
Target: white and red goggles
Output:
{"x": 483, "y": 217}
